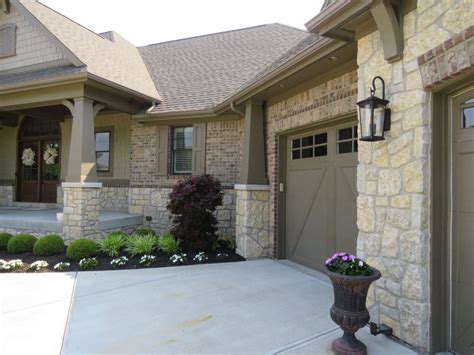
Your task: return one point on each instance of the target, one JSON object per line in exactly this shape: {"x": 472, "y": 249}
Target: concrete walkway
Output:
{"x": 254, "y": 307}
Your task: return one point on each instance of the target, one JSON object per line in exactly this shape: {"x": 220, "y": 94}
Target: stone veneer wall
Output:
{"x": 6, "y": 195}
{"x": 394, "y": 175}
{"x": 328, "y": 100}
{"x": 33, "y": 232}
{"x": 81, "y": 213}
{"x": 153, "y": 201}
{"x": 252, "y": 232}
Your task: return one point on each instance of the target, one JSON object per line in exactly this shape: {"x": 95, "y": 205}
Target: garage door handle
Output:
{"x": 282, "y": 187}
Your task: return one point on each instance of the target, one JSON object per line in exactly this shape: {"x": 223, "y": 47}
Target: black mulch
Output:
{"x": 162, "y": 260}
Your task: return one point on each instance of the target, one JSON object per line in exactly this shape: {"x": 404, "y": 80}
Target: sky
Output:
{"x": 145, "y": 22}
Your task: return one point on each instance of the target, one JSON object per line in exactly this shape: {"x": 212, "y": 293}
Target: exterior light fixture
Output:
{"x": 374, "y": 116}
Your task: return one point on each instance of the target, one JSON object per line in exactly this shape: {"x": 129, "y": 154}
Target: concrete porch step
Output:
{"x": 38, "y": 205}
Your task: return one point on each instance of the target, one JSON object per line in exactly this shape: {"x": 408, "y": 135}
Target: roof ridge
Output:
{"x": 290, "y": 27}
{"x": 69, "y": 19}
{"x": 214, "y": 34}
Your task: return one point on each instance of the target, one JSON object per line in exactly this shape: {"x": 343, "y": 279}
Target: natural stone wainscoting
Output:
{"x": 252, "y": 225}
{"x": 152, "y": 202}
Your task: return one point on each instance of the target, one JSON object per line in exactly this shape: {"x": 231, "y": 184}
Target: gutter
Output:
{"x": 232, "y": 107}
{"x": 59, "y": 80}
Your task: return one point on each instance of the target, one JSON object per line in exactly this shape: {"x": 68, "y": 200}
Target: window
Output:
{"x": 102, "y": 151}
{"x": 309, "y": 146}
{"x": 468, "y": 114}
{"x": 182, "y": 150}
{"x": 7, "y": 41}
{"x": 347, "y": 140}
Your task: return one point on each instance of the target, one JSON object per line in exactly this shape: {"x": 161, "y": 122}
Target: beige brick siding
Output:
{"x": 32, "y": 46}
{"x": 224, "y": 149}
{"x": 223, "y": 153}
{"x": 325, "y": 101}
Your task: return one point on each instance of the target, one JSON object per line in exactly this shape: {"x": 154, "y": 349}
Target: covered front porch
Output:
{"x": 65, "y": 168}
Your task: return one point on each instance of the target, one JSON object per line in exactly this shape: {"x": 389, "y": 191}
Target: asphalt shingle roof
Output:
{"x": 118, "y": 62}
{"x": 201, "y": 72}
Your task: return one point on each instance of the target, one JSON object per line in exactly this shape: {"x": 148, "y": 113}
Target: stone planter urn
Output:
{"x": 349, "y": 311}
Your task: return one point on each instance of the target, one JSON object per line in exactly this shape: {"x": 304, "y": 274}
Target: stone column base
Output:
{"x": 252, "y": 230}
{"x": 81, "y": 210}
{"x": 6, "y": 195}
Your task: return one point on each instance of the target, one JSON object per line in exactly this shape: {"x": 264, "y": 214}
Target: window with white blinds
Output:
{"x": 182, "y": 154}
{"x": 7, "y": 41}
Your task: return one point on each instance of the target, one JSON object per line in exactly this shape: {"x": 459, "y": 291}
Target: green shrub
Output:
{"x": 4, "y": 238}
{"x": 21, "y": 243}
{"x": 168, "y": 244}
{"x": 141, "y": 244}
{"x": 81, "y": 248}
{"x": 49, "y": 245}
{"x": 113, "y": 243}
{"x": 145, "y": 231}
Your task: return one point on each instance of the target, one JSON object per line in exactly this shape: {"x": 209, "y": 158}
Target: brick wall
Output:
{"x": 32, "y": 46}
{"x": 223, "y": 153}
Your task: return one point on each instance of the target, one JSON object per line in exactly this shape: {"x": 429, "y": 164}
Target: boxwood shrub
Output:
{"x": 21, "y": 243}
{"x": 49, "y": 245}
{"x": 81, "y": 248}
{"x": 4, "y": 238}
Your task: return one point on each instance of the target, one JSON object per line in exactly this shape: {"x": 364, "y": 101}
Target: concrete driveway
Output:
{"x": 254, "y": 307}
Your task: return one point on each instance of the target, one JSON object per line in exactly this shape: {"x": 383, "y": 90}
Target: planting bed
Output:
{"x": 162, "y": 260}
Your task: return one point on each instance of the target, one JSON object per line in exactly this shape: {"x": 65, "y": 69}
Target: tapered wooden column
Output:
{"x": 82, "y": 162}
{"x": 252, "y": 166}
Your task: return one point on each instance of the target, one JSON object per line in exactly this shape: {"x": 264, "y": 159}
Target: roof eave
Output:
{"x": 332, "y": 18}
{"x": 162, "y": 116}
{"x": 44, "y": 83}
{"x": 142, "y": 96}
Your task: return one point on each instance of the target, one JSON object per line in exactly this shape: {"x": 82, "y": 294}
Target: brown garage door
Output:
{"x": 321, "y": 213}
{"x": 463, "y": 224}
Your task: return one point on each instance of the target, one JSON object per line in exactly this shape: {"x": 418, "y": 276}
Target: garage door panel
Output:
{"x": 302, "y": 202}
{"x": 320, "y": 200}
{"x": 346, "y": 209}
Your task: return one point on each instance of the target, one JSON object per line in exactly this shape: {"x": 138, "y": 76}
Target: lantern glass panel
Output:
{"x": 379, "y": 114}
{"x": 365, "y": 112}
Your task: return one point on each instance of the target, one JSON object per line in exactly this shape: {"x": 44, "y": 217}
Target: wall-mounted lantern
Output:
{"x": 374, "y": 116}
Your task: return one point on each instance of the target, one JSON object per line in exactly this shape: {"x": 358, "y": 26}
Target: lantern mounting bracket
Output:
{"x": 388, "y": 113}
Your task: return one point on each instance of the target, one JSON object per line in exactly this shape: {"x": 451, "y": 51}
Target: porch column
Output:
{"x": 253, "y": 191}
{"x": 82, "y": 187}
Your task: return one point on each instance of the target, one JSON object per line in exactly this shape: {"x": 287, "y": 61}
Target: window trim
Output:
{"x": 110, "y": 172}
{"x": 312, "y": 146}
{"x": 173, "y": 172}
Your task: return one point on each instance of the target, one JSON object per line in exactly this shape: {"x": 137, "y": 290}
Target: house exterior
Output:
{"x": 272, "y": 112}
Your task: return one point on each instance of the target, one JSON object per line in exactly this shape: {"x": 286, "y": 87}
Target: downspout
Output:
{"x": 151, "y": 108}
{"x": 232, "y": 107}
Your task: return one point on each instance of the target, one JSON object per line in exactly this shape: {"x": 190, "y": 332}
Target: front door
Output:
{"x": 38, "y": 160}
{"x": 463, "y": 224}
{"x": 321, "y": 193}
